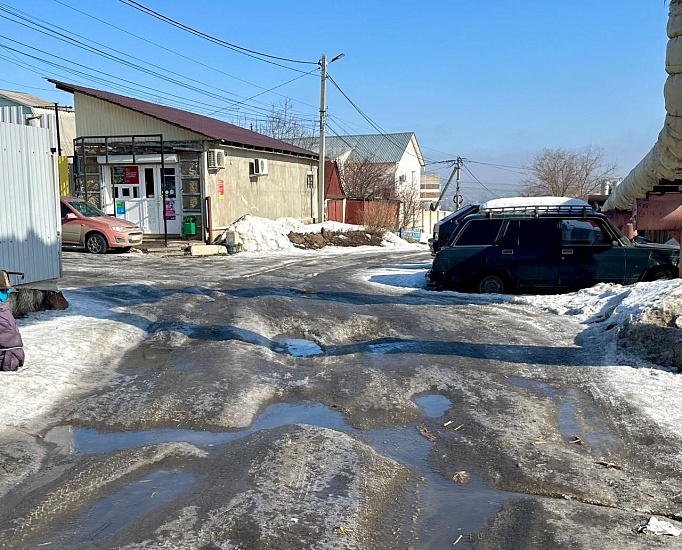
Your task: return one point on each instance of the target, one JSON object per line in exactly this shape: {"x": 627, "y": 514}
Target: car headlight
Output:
{"x": 119, "y": 228}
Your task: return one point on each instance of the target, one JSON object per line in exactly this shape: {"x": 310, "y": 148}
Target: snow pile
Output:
{"x": 64, "y": 350}
{"x": 261, "y": 234}
{"x": 619, "y": 304}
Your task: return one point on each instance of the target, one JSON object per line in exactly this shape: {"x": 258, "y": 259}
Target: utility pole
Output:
{"x": 457, "y": 165}
{"x": 323, "y": 126}
{"x": 458, "y": 198}
{"x": 322, "y": 152}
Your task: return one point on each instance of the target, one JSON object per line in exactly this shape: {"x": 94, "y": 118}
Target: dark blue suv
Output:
{"x": 545, "y": 249}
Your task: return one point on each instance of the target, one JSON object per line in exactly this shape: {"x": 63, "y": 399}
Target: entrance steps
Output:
{"x": 173, "y": 246}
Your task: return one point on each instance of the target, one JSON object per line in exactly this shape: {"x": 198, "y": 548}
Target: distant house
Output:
{"x": 157, "y": 166}
{"x": 398, "y": 155}
{"x": 333, "y": 193}
{"x": 45, "y": 114}
{"x": 430, "y": 188}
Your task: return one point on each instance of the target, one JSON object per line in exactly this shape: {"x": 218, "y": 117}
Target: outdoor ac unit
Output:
{"x": 260, "y": 167}
{"x": 216, "y": 159}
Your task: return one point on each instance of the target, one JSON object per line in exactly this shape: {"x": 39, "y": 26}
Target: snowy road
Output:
{"x": 323, "y": 399}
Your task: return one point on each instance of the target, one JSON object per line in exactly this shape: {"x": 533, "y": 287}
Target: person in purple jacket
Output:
{"x": 11, "y": 345}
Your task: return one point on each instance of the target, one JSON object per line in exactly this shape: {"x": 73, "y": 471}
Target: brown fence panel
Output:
{"x": 354, "y": 211}
{"x": 335, "y": 210}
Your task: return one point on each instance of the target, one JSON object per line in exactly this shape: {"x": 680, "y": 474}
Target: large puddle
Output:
{"x": 448, "y": 509}
{"x": 116, "y": 511}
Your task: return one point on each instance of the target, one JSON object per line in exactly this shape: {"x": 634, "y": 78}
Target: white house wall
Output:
{"x": 101, "y": 118}
{"x": 30, "y": 228}
{"x": 409, "y": 166}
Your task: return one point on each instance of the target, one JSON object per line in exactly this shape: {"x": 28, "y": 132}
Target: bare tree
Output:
{"x": 410, "y": 207}
{"x": 365, "y": 179}
{"x": 563, "y": 173}
{"x": 281, "y": 123}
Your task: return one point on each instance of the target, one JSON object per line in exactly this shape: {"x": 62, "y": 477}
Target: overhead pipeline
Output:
{"x": 664, "y": 161}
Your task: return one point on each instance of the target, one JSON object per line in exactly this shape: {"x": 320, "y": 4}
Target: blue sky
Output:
{"x": 493, "y": 82}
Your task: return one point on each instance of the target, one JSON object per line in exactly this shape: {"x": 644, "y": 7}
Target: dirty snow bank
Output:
{"x": 260, "y": 234}
{"x": 66, "y": 350}
{"x": 644, "y": 319}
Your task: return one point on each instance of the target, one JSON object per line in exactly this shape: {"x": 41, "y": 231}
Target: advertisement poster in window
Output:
{"x": 118, "y": 175}
{"x": 170, "y": 209}
{"x": 169, "y": 183}
{"x": 131, "y": 175}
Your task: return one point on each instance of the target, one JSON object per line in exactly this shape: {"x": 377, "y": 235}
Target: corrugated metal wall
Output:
{"x": 100, "y": 118}
{"x": 29, "y": 219}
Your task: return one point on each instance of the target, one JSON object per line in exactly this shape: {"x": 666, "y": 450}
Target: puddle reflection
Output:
{"x": 434, "y": 406}
{"x": 113, "y": 513}
{"x": 446, "y": 508}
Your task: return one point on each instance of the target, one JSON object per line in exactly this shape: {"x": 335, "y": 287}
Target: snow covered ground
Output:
{"x": 67, "y": 351}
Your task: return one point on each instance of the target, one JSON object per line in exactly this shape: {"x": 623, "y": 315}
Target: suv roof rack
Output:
{"x": 536, "y": 210}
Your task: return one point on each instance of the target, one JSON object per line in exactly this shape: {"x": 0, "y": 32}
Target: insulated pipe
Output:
{"x": 664, "y": 161}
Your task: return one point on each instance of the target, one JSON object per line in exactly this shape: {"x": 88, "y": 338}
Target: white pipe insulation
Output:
{"x": 664, "y": 161}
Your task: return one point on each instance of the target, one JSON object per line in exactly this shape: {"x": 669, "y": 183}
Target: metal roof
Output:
{"x": 26, "y": 99}
{"x": 378, "y": 148}
{"x": 210, "y": 127}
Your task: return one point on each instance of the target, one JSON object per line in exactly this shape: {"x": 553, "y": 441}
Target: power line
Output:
{"x": 239, "y": 49}
{"x": 77, "y": 43}
{"x": 478, "y": 181}
{"x": 265, "y": 91}
{"x": 174, "y": 52}
{"x": 514, "y": 169}
{"x": 153, "y": 93}
{"x": 366, "y": 117}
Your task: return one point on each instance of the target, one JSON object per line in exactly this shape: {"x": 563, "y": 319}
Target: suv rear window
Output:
{"x": 479, "y": 233}
{"x": 530, "y": 233}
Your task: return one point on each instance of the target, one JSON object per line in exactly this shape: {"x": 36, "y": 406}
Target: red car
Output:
{"x": 87, "y": 226}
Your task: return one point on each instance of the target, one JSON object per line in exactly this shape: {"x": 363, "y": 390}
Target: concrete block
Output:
{"x": 207, "y": 250}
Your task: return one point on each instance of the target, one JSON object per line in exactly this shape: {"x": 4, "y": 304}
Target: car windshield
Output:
{"x": 87, "y": 209}
{"x": 619, "y": 235}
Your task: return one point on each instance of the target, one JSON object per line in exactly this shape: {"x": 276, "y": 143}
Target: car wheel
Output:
{"x": 660, "y": 275}
{"x": 493, "y": 284}
{"x": 96, "y": 243}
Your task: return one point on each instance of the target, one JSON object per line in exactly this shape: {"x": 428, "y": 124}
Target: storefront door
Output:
{"x": 138, "y": 196}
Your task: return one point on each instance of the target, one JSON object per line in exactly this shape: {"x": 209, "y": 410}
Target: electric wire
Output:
{"x": 265, "y": 91}
{"x": 77, "y": 43}
{"x": 174, "y": 52}
{"x": 478, "y": 181}
{"x": 153, "y": 94}
{"x": 239, "y": 49}
{"x": 196, "y": 105}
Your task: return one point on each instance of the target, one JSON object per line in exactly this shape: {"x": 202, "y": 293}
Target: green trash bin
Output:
{"x": 189, "y": 226}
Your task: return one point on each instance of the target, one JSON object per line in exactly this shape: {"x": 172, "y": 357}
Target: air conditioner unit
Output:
{"x": 260, "y": 167}
{"x": 216, "y": 159}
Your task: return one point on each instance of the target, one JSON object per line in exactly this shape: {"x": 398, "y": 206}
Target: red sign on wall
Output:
{"x": 221, "y": 189}
{"x": 131, "y": 175}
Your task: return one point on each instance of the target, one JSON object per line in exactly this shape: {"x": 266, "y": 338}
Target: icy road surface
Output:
{"x": 325, "y": 399}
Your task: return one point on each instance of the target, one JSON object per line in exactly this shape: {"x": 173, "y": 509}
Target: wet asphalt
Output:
{"x": 304, "y": 401}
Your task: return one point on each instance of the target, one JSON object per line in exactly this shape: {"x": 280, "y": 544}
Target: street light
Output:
{"x": 323, "y": 125}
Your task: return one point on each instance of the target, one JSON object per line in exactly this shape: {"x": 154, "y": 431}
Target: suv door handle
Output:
{"x": 567, "y": 251}
{"x": 507, "y": 251}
